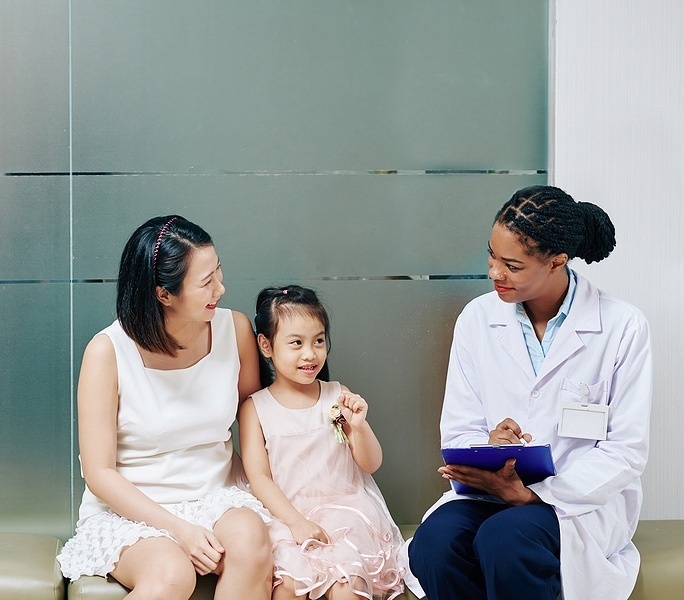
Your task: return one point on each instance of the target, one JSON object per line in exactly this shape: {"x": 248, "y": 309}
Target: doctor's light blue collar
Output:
{"x": 536, "y": 349}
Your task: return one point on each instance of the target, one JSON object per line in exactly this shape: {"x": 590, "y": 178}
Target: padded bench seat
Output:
{"x": 29, "y": 571}
{"x": 91, "y": 588}
{"x": 661, "y": 576}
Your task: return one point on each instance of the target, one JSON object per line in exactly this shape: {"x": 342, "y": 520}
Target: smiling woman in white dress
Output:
{"x": 158, "y": 392}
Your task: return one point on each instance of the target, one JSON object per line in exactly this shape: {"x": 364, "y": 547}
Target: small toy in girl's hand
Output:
{"x": 337, "y": 419}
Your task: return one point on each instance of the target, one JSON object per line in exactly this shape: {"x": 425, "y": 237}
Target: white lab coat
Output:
{"x": 603, "y": 344}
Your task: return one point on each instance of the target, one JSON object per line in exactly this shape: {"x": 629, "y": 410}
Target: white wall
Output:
{"x": 617, "y": 139}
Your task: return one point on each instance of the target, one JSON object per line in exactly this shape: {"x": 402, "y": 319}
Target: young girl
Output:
{"x": 308, "y": 453}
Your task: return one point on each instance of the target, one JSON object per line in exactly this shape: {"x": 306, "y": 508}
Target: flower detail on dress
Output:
{"x": 337, "y": 419}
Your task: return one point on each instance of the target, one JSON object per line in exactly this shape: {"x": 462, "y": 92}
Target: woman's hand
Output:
{"x": 354, "y": 408}
{"x": 201, "y": 545}
{"x": 304, "y": 530}
{"x": 508, "y": 432}
{"x": 504, "y": 483}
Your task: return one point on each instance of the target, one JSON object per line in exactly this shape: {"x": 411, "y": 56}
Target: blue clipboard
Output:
{"x": 532, "y": 463}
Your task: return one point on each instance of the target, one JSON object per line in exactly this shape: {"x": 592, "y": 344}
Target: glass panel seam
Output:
{"x": 431, "y": 277}
{"x": 274, "y": 173}
{"x": 72, "y": 419}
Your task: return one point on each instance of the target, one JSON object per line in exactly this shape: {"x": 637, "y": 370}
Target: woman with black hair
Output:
{"x": 545, "y": 341}
{"x": 158, "y": 392}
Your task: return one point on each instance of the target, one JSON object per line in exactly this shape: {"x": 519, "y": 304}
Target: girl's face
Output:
{"x": 298, "y": 348}
{"x": 201, "y": 288}
{"x": 518, "y": 276}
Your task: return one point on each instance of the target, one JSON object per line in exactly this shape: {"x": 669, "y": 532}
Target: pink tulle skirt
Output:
{"x": 362, "y": 553}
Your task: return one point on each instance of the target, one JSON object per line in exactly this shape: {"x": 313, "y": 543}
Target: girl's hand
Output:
{"x": 354, "y": 408}
{"x": 508, "y": 432}
{"x": 308, "y": 530}
{"x": 202, "y": 547}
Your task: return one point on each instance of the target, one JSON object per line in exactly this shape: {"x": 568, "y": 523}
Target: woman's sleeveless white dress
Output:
{"x": 174, "y": 443}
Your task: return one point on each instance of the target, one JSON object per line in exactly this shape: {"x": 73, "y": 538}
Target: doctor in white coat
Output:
{"x": 544, "y": 343}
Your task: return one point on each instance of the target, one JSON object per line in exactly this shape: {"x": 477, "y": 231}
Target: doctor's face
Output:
{"x": 517, "y": 275}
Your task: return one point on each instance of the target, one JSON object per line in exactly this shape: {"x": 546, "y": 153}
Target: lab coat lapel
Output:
{"x": 510, "y": 336}
{"x": 584, "y": 316}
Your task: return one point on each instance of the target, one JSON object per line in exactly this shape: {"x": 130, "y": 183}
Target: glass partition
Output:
{"x": 357, "y": 148}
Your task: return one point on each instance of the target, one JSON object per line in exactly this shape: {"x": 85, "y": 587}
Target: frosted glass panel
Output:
{"x": 35, "y": 454}
{"x": 34, "y": 88}
{"x": 360, "y": 148}
{"x": 304, "y": 227}
{"x": 34, "y": 228}
{"x": 309, "y": 86}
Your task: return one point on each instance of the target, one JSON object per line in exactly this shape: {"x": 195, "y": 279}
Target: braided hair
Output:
{"x": 549, "y": 221}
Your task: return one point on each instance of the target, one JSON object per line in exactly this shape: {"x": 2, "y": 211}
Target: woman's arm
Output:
{"x": 248, "y": 381}
{"x": 365, "y": 447}
{"x": 97, "y": 425}
{"x": 258, "y": 471}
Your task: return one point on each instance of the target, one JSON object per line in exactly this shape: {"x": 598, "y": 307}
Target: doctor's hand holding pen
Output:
{"x": 509, "y": 432}
{"x": 504, "y": 483}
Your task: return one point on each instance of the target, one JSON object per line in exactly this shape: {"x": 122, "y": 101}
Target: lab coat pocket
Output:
{"x": 579, "y": 391}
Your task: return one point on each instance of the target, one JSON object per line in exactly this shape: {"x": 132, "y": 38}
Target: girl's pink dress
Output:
{"x": 321, "y": 479}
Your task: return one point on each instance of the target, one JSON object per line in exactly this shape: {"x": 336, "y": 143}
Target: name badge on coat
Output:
{"x": 582, "y": 419}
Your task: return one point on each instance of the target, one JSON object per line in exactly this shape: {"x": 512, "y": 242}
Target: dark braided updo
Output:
{"x": 548, "y": 222}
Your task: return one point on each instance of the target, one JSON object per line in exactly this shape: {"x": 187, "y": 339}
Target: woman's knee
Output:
{"x": 244, "y": 536}
{"x": 439, "y": 537}
{"x": 156, "y": 568}
{"x": 169, "y": 584}
{"x": 178, "y": 574}
{"x": 520, "y": 533}
{"x": 429, "y": 549}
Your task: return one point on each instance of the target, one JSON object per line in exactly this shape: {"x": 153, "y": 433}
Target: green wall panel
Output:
{"x": 34, "y": 228}
{"x": 303, "y": 226}
{"x": 35, "y": 409}
{"x": 306, "y": 85}
{"x": 34, "y": 86}
{"x": 266, "y": 122}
